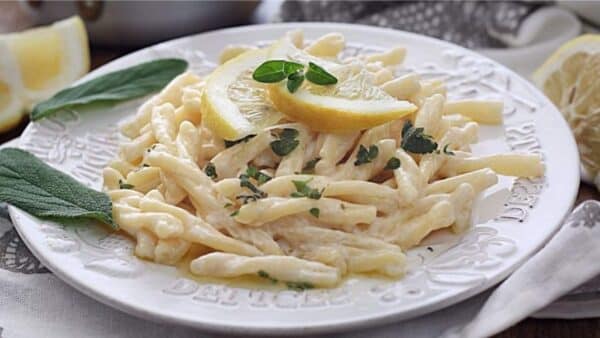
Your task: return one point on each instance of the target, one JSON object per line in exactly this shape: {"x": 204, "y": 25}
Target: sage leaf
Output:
{"x": 33, "y": 186}
{"x": 121, "y": 85}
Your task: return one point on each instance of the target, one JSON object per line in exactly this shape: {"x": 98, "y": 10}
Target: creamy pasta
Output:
{"x": 336, "y": 204}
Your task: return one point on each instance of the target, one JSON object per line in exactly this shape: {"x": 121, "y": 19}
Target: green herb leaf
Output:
{"x": 123, "y": 185}
{"x": 259, "y": 176}
{"x": 227, "y": 205}
{"x": 121, "y": 85}
{"x": 229, "y": 144}
{"x": 295, "y": 81}
{"x": 286, "y": 143}
{"x": 245, "y": 183}
{"x": 33, "y": 186}
{"x": 299, "y": 286}
{"x": 448, "y": 152}
{"x": 365, "y": 155}
{"x": 315, "y": 212}
{"x": 210, "y": 170}
{"x": 289, "y": 133}
{"x": 392, "y": 164}
{"x": 272, "y": 71}
{"x": 265, "y": 275}
{"x": 415, "y": 141}
{"x": 235, "y": 213}
{"x": 303, "y": 190}
{"x": 263, "y": 178}
{"x": 309, "y": 167}
{"x": 256, "y": 193}
{"x": 318, "y": 75}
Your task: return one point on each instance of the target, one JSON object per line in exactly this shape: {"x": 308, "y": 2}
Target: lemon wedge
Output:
{"x": 570, "y": 80}
{"x": 354, "y": 103}
{"x": 39, "y": 62}
{"x": 11, "y": 100}
{"x": 233, "y": 104}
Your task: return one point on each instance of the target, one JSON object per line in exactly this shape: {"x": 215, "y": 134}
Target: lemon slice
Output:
{"x": 354, "y": 103}
{"x": 11, "y": 100}
{"x": 233, "y": 104}
{"x": 570, "y": 80}
{"x": 49, "y": 58}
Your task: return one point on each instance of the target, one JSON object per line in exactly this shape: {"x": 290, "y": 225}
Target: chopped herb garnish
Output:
{"x": 248, "y": 198}
{"x": 145, "y": 165}
{"x": 265, "y": 275}
{"x": 365, "y": 155}
{"x": 430, "y": 249}
{"x": 235, "y": 213}
{"x": 299, "y": 286}
{"x": 392, "y": 164}
{"x": 272, "y": 71}
{"x": 309, "y": 167}
{"x": 227, "y": 205}
{"x": 415, "y": 141}
{"x": 210, "y": 170}
{"x": 286, "y": 143}
{"x": 262, "y": 178}
{"x": 256, "y": 193}
{"x": 295, "y": 81}
{"x": 259, "y": 176}
{"x": 315, "y": 212}
{"x": 448, "y": 152}
{"x": 318, "y": 75}
{"x": 123, "y": 185}
{"x": 245, "y": 183}
{"x": 303, "y": 190}
{"x": 229, "y": 144}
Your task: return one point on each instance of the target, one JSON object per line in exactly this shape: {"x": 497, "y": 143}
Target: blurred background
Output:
{"x": 519, "y": 34}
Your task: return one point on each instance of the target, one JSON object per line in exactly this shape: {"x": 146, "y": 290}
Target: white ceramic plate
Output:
{"x": 513, "y": 219}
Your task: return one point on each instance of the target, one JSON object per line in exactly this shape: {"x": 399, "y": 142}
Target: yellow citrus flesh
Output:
{"x": 570, "y": 80}
{"x": 48, "y": 58}
{"x": 40, "y": 56}
{"x": 10, "y": 108}
{"x": 233, "y": 104}
{"x": 335, "y": 114}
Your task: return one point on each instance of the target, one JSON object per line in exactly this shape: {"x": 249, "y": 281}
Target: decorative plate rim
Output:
{"x": 227, "y": 326}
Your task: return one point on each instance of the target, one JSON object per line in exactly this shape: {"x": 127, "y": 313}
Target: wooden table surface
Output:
{"x": 529, "y": 328}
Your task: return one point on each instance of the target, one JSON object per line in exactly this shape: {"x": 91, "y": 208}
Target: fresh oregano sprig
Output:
{"x": 273, "y": 71}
